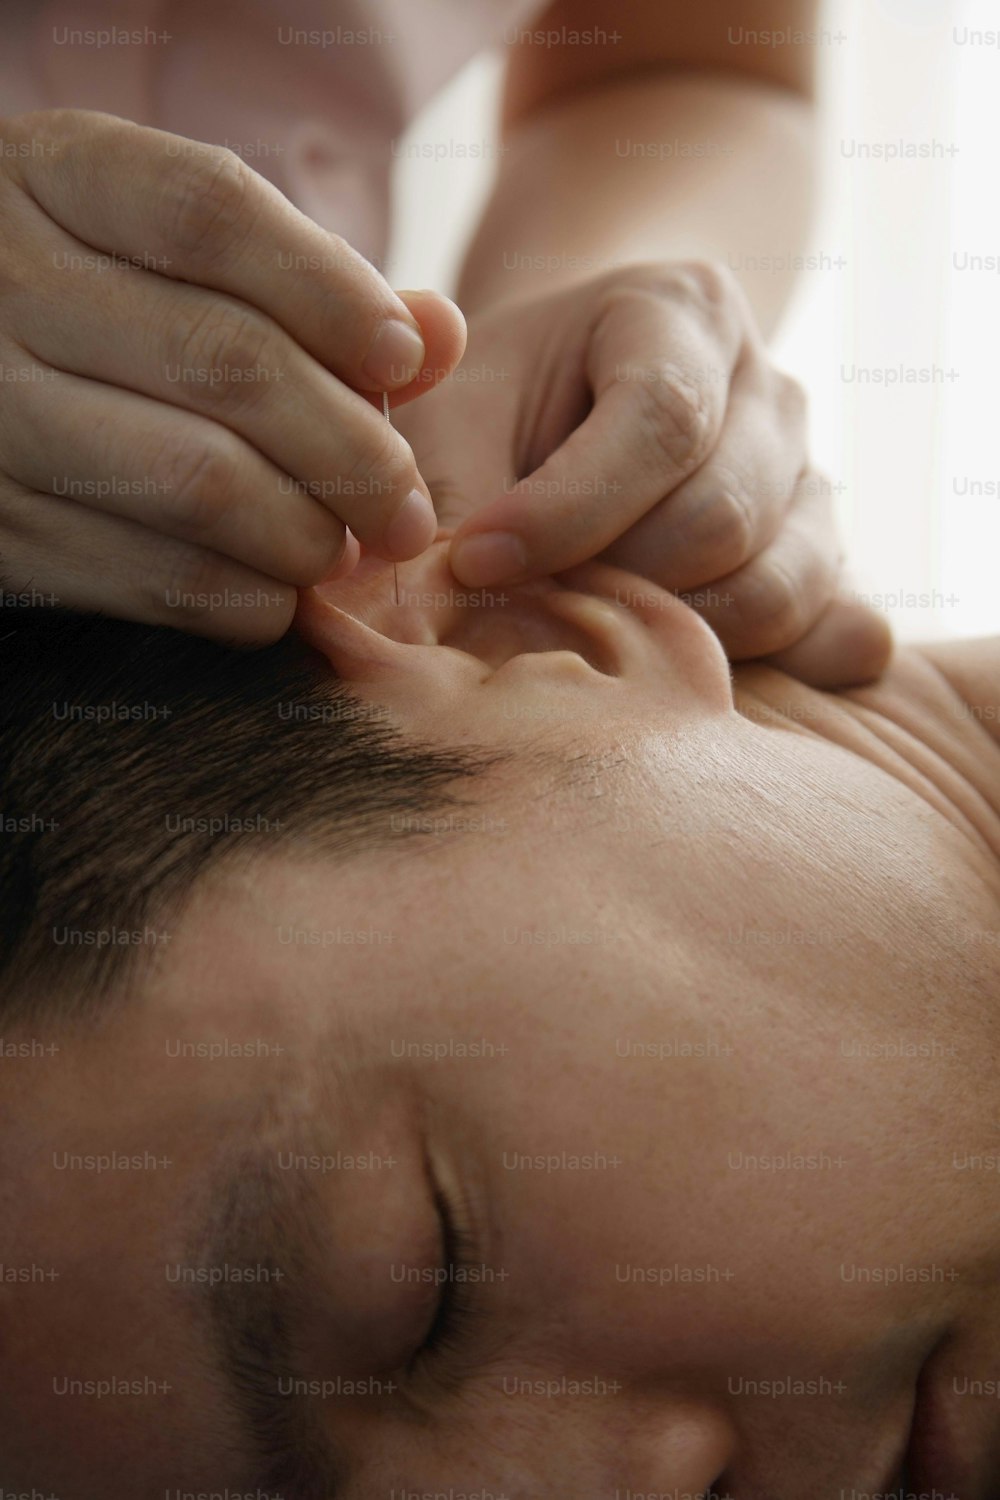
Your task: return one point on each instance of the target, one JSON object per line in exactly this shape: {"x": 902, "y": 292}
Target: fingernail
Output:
{"x": 490, "y": 557}
{"x": 413, "y": 527}
{"x": 396, "y": 356}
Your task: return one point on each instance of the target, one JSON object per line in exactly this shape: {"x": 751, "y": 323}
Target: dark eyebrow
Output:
{"x": 252, "y": 1224}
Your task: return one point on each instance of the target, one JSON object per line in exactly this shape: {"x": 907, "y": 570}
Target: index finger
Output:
{"x": 198, "y": 213}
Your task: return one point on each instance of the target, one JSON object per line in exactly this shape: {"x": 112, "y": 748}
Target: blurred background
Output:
{"x": 904, "y": 285}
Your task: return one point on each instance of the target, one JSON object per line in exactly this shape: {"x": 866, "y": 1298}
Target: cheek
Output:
{"x": 614, "y": 1277}
{"x": 678, "y": 1219}
{"x": 666, "y": 1210}
{"x": 634, "y": 1280}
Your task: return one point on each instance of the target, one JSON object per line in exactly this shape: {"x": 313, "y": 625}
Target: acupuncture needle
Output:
{"x": 385, "y": 413}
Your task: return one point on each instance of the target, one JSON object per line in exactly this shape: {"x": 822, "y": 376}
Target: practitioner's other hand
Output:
{"x": 189, "y": 369}
{"x": 638, "y": 418}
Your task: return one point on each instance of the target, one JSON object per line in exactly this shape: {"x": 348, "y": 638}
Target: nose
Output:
{"x": 678, "y": 1450}
{"x": 602, "y": 1446}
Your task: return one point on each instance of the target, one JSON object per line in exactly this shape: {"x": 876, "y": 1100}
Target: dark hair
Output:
{"x": 133, "y": 758}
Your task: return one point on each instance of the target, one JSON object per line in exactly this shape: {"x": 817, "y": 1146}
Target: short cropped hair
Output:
{"x": 134, "y": 758}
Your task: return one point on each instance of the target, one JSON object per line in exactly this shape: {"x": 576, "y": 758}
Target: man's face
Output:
{"x": 632, "y": 1134}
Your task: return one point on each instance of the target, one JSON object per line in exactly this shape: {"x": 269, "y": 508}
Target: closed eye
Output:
{"x": 456, "y": 1306}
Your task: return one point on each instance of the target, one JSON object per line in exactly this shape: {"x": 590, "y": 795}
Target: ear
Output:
{"x": 388, "y": 653}
{"x": 356, "y": 651}
{"x": 368, "y": 623}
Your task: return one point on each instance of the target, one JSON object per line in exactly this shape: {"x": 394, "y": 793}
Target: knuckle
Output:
{"x": 726, "y": 527}
{"x": 184, "y": 583}
{"x": 675, "y": 413}
{"x": 50, "y": 139}
{"x": 206, "y": 197}
{"x": 46, "y": 131}
{"x": 341, "y": 256}
{"x": 63, "y": 122}
{"x": 706, "y": 282}
{"x": 315, "y": 554}
{"x": 774, "y": 606}
{"x": 227, "y": 356}
{"x": 383, "y": 466}
{"x": 202, "y": 485}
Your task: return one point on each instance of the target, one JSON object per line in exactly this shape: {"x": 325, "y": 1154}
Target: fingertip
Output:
{"x": 849, "y": 646}
{"x": 396, "y": 357}
{"x": 241, "y": 633}
{"x": 411, "y": 530}
{"x": 427, "y": 303}
{"x": 445, "y": 333}
{"x": 488, "y": 558}
{"x": 868, "y": 640}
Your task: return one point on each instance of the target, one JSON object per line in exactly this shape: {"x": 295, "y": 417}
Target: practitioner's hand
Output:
{"x": 181, "y": 436}
{"x": 638, "y": 418}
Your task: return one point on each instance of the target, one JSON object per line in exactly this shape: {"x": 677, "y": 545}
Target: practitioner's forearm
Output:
{"x": 657, "y": 166}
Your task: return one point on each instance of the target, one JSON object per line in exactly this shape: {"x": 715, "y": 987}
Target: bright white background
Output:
{"x": 916, "y": 466}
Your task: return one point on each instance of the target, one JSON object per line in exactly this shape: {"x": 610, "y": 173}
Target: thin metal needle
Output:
{"x": 385, "y": 413}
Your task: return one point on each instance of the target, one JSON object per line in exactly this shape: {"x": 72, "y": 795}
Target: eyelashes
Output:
{"x": 456, "y": 1309}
